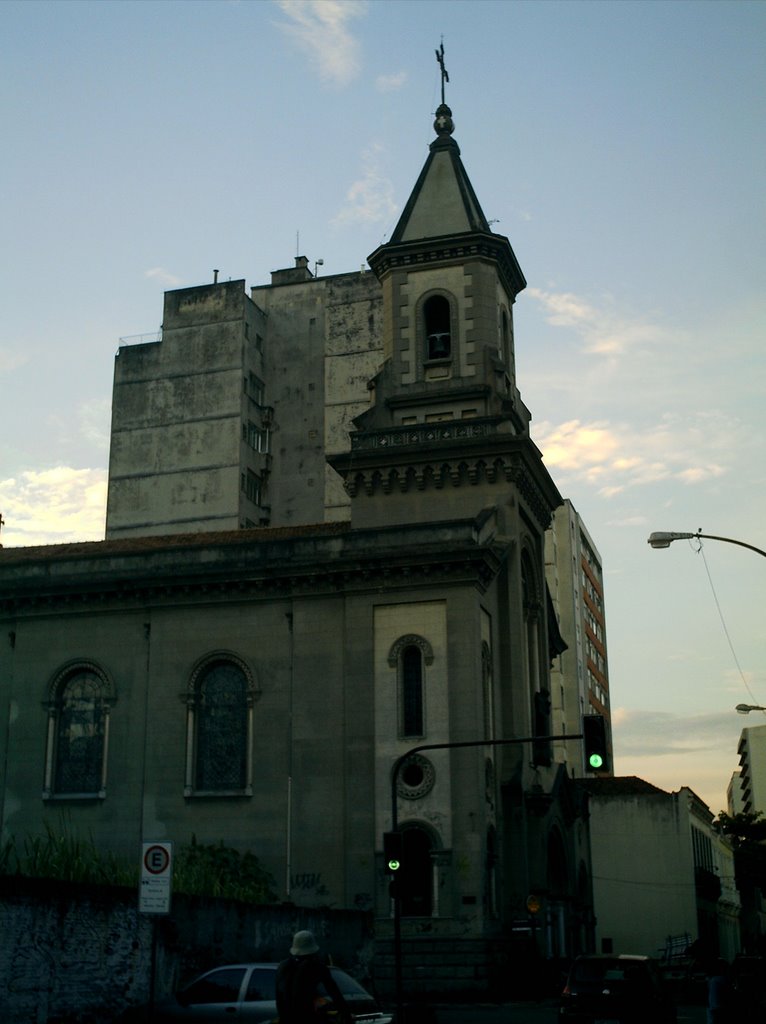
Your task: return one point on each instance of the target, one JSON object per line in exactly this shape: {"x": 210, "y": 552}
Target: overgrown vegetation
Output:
{"x": 218, "y": 870}
{"x": 62, "y": 855}
{"x": 198, "y": 869}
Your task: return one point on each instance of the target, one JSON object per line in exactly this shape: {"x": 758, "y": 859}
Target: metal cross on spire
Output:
{"x": 440, "y": 61}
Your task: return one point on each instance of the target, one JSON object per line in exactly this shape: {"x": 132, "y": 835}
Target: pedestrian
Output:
{"x": 305, "y": 986}
{"x": 719, "y": 999}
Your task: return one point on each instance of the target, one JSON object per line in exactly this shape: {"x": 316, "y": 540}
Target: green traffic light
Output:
{"x": 394, "y": 865}
{"x": 596, "y": 761}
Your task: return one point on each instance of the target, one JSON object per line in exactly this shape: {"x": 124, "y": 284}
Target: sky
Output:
{"x": 620, "y": 146}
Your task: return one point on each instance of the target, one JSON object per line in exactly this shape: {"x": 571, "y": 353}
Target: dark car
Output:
{"x": 616, "y": 990}
{"x": 246, "y": 992}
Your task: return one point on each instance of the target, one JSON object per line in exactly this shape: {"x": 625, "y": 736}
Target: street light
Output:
{"x": 664, "y": 540}
{"x": 745, "y": 709}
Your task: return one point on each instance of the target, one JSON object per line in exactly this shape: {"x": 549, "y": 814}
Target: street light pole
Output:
{"x": 664, "y": 540}
{"x": 745, "y": 709}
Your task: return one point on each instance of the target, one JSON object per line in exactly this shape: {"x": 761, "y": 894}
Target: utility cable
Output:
{"x": 701, "y": 551}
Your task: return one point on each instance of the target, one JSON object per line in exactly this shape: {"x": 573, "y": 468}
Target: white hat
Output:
{"x": 303, "y": 944}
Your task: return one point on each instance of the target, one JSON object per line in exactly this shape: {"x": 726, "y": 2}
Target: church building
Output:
{"x": 325, "y": 547}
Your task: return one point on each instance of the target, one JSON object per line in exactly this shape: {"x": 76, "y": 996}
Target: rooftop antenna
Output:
{"x": 440, "y": 61}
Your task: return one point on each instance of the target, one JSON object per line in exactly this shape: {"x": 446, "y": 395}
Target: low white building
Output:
{"x": 660, "y": 870}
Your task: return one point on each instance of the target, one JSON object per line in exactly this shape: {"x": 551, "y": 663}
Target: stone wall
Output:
{"x": 78, "y": 954}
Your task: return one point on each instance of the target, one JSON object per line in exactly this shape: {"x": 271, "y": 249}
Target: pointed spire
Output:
{"x": 443, "y": 201}
{"x": 443, "y": 210}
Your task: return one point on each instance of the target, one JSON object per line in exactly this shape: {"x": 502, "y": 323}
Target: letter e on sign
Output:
{"x": 156, "y": 878}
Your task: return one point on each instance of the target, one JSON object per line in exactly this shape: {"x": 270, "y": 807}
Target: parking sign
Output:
{"x": 156, "y": 878}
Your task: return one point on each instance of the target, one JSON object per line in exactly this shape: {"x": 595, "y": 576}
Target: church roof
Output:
{"x": 443, "y": 201}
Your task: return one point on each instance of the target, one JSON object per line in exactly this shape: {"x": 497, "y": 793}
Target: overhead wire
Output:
{"x": 701, "y": 551}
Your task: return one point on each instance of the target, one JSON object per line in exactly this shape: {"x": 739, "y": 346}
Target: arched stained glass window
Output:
{"x": 78, "y": 730}
{"x": 221, "y": 728}
{"x": 80, "y": 736}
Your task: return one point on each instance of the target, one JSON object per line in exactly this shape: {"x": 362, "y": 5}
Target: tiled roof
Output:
{"x": 137, "y": 545}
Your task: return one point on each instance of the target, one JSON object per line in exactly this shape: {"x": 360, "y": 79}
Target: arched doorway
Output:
{"x": 417, "y": 883}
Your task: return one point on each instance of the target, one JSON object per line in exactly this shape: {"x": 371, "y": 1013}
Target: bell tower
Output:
{"x": 446, "y": 431}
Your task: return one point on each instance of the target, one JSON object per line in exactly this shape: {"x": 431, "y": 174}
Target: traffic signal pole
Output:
{"x": 396, "y": 894}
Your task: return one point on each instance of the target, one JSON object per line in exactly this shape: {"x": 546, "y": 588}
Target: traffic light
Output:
{"x": 393, "y": 851}
{"x": 594, "y": 743}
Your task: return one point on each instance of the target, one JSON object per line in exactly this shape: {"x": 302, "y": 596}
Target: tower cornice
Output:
{"x": 458, "y": 248}
{"x": 444, "y": 455}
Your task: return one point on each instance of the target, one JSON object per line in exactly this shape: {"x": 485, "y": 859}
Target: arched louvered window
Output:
{"x": 438, "y": 328}
{"x": 412, "y": 691}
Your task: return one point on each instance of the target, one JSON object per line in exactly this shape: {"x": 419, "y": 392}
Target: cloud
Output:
{"x": 370, "y": 199}
{"x": 320, "y": 29}
{"x": 670, "y": 750}
{"x": 163, "y": 276}
{"x": 10, "y": 360}
{"x": 615, "y": 456}
{"x": 391, "y": 82}
{"x": 642, "y": 733}
{"x": 53, "y": 506}
{"x": 605, "y": 332}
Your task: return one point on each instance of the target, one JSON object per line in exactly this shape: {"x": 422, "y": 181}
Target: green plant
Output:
{"x": 198, "y": 869}
{"x": 218, "y": 870}
{"x": 63, "y": 855}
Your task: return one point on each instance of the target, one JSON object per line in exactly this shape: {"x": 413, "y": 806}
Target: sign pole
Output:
{"x": 154, "y": 894}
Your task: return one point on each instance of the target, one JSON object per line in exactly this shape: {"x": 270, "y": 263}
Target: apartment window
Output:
{"x": 78, "y": 731}
{"x": 219, "y": 728}
{"x": 255, "y": 389}
{"x": 256, "y": 437}
{"x": 251, "y": 485}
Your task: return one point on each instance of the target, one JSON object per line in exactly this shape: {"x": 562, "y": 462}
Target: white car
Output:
{"x": 246, "y": 992}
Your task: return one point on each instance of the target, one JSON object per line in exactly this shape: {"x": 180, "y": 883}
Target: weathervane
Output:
{"x": 440, "y": 61}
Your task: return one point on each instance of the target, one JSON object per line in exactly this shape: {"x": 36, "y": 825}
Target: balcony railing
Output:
{"x": 141, "y": 339}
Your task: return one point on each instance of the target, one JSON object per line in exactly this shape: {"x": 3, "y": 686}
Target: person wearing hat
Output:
{"x": 304, "y": 983}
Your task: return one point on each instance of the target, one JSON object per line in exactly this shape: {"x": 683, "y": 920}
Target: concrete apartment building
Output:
{"x": 747, "y": 789}
{"x": 325, "y": 546}
{"x": 580, "y": 676}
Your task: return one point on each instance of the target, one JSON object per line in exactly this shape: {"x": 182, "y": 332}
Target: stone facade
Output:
{"x": 325, "y": 547}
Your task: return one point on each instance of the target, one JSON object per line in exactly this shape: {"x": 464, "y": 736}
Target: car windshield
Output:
{"x": 221, "y": 986}
{"x": 262, "y": 985}
{"x": 604, "y": 970}
{"x": 348, "y": 986}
